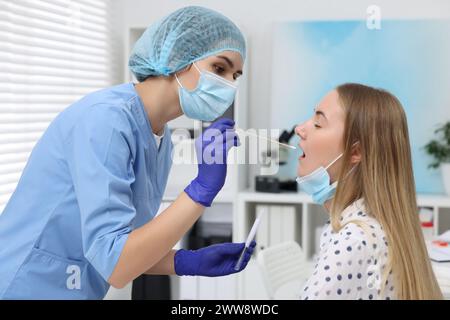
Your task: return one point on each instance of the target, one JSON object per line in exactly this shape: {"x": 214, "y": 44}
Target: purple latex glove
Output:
{"x": 212, "y": 148}
{"x": 213, "y": 261}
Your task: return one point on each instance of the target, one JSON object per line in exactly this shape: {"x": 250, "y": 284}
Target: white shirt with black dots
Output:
{"x": 352, "y": 261}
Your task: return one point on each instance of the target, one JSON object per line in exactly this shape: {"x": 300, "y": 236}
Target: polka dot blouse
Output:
{"x": 352, "y": 261}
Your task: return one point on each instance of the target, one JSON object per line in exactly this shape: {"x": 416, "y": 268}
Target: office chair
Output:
{"x": 284, "y": 270}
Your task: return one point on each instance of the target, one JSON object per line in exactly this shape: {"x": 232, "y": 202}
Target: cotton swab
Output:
{"x": 268, "y": 139}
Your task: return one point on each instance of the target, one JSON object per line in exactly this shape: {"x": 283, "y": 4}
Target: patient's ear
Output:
{"x": 356, "y": 153}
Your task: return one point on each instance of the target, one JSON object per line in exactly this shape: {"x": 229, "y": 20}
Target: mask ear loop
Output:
{"x": 350, "y": 171}
{"x": 332, "y": 162}
{"x": 178, "y": 80}
{"x": 195, "y": 65}
{"x": 179, "y": 83}
{"x": 219, "y": 78}
{"x": 353, "y": 168}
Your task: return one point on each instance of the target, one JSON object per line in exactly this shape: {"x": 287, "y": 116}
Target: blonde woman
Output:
{"x": 357, "y": 163}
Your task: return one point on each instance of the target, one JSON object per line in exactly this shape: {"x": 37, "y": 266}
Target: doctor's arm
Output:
{"x": 165, "y": 266}
{"x": 100, "y": 160}
{"x": 148, "y": 248}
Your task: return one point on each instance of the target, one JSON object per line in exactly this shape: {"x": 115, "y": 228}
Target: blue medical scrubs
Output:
{"x": 94, "y": 176}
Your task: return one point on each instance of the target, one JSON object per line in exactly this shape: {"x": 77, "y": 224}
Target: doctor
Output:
{"x": 81, "y": 217}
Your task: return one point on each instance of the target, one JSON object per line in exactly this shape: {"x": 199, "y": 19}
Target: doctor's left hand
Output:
{"x": 212, "y": 148}
{"x": 213, "y": 261}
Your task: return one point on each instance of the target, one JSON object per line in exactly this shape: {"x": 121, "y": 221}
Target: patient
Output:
{"x": 372, "y": 246}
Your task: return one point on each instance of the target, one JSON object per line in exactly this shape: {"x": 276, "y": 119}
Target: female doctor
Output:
{"x": 81, "y": 217}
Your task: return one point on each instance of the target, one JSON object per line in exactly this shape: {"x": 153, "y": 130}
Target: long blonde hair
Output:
{"x": 384, "y": 179}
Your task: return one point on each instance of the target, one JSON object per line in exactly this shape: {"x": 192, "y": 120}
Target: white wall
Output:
{"x": 256, "y": 17}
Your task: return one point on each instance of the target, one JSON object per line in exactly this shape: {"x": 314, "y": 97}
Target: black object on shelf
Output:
{"x": 204, "y": 234}
{"x": 285, "y": 136}
{"x": 151, "y": 287}
{"x": 274, "y": 185}
{"x": 289, "y": 185}
{"x": 267, "y": 184}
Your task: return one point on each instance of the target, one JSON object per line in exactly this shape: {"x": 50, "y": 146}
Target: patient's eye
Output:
{"x": 317, "y": 125}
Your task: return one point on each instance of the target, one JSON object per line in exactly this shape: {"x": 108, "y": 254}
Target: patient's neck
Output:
{"x": 347, "y": 198}
{"x": 327, "y": 205}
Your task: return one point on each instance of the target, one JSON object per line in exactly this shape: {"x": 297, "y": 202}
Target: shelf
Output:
{"x": 284, "y": 197}
{"x": 426, "y": 200}
{"x": 430, "y": 200}
{"x": 226, "y": 198}
{"x": 312, "y": 217}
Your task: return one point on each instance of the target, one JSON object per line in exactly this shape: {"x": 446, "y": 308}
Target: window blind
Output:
{"x": 52, "y": 52}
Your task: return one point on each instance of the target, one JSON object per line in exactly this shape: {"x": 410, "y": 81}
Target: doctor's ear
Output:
{"x": 356, "y": 153}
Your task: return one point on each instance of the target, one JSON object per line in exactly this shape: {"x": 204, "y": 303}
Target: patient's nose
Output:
{"x": 300, "y": 131}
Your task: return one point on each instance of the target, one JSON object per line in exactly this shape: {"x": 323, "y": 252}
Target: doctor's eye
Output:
{"x": 218, "y": 69}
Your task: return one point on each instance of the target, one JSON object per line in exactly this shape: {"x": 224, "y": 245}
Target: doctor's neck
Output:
{"x": 160, "y": 98}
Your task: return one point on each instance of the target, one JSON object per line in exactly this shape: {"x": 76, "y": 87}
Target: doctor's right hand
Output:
{"x": 212, "y": 149}
{"x": 214, "y": 261}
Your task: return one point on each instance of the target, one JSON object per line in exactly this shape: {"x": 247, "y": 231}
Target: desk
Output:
{"x": 442, "y": 272}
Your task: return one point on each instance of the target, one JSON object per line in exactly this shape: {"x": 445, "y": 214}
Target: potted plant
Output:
{"x": 440, "y": 151}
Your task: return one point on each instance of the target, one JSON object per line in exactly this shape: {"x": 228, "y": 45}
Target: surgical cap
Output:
{"x": 185, "y": 36}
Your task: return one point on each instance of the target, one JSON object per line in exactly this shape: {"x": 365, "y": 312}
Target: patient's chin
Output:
{"x": 303, "y": 171}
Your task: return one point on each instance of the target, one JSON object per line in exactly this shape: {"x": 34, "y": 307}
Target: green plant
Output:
{"x": 440, "y": 149}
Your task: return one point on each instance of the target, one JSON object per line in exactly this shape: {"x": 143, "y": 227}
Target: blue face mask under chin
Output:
{"x": 317, "y": 184}
{"x": 210, "y": 99}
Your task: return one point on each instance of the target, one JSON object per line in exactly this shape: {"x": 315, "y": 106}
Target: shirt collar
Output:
{"x": 355, "y": 210}
{"x": 137, "y": 108}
